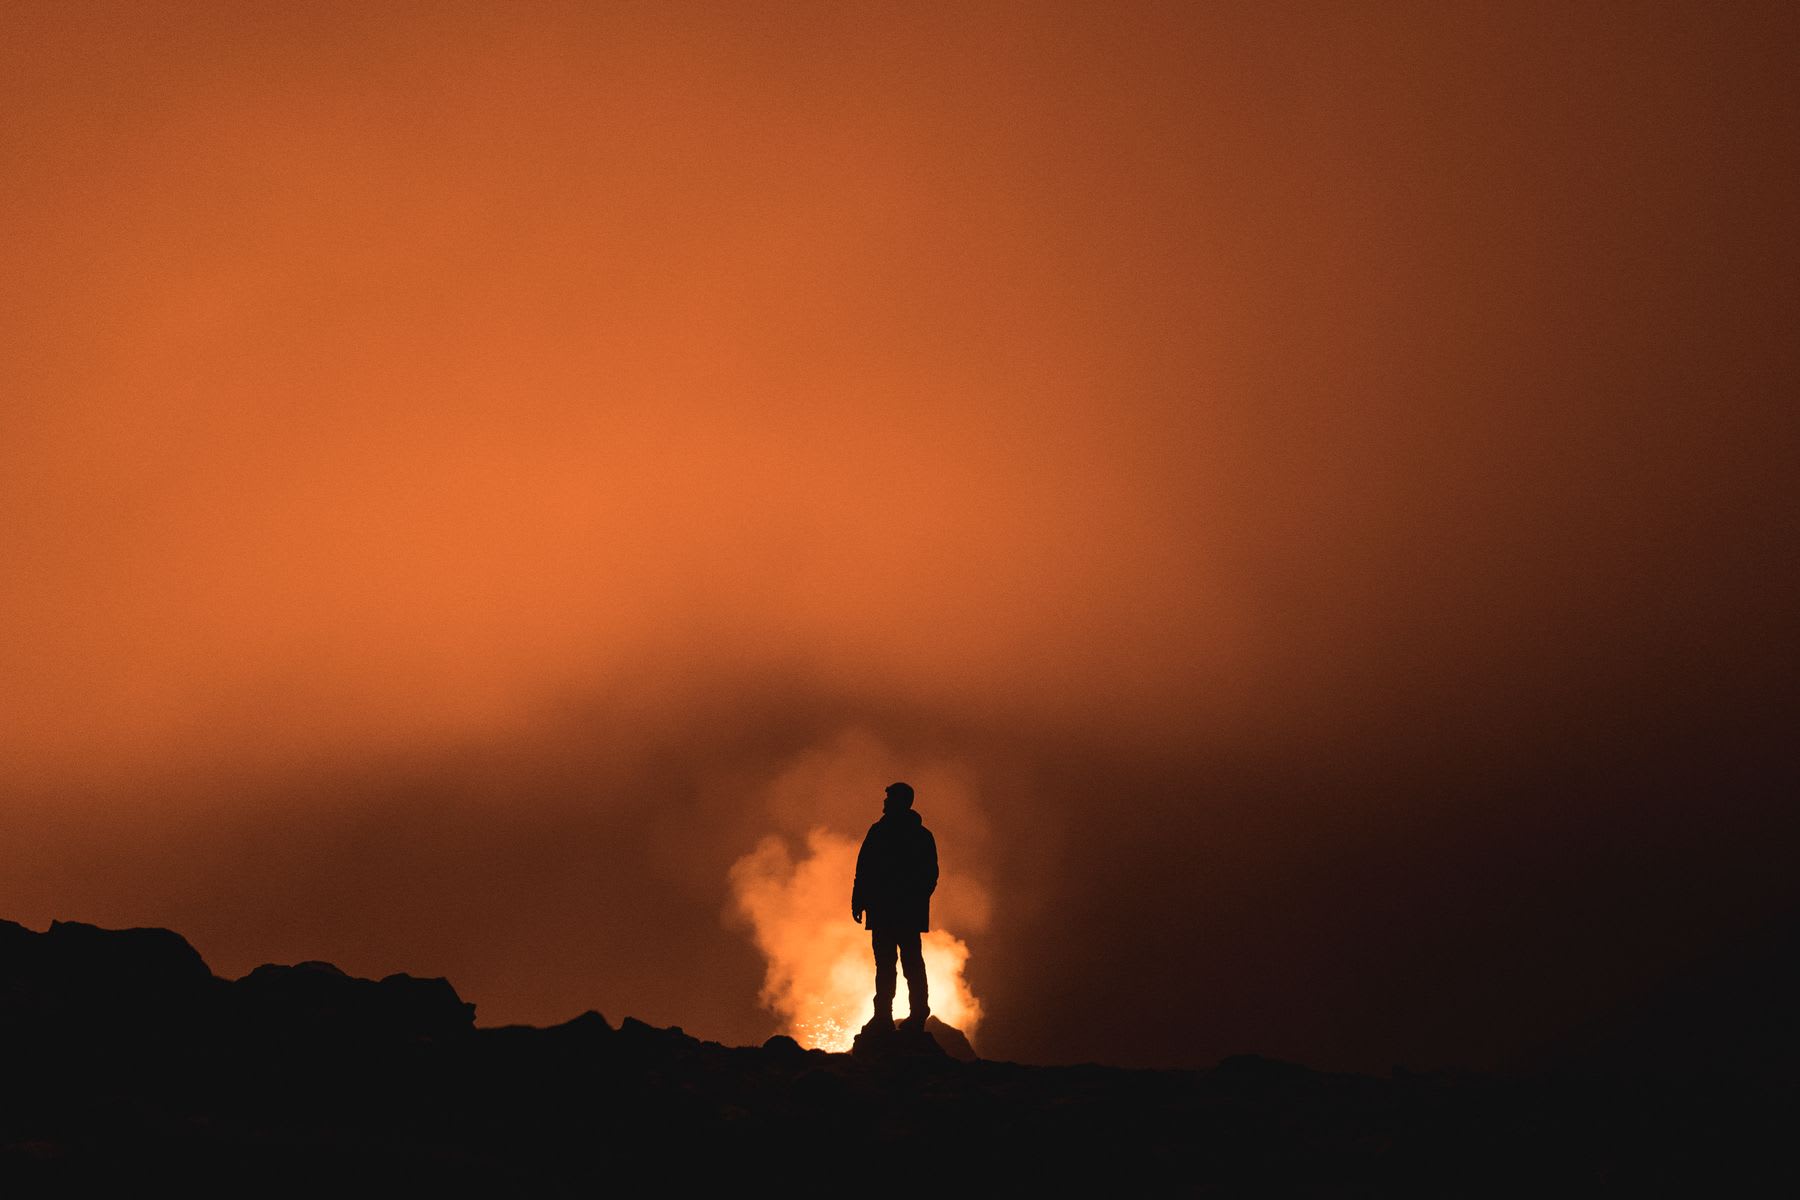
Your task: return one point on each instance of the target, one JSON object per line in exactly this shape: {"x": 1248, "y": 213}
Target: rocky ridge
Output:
{"x": 128, "y": 1061}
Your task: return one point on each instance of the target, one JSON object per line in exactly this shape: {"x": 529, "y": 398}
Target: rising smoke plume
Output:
{"x": 820, "y": 975}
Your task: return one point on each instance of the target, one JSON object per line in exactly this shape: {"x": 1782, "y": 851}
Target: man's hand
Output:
{"x": 856, "y": 914}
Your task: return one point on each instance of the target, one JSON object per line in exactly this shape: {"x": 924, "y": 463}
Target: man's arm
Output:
{"x": 856, "y": 887}
{"x": 930, "y": 877}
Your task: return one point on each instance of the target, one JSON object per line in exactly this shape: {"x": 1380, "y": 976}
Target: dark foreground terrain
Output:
{"x": 129, "y": 1067}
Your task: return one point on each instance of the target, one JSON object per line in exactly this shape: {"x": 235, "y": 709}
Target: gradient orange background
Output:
{"x": 1319, "y": 475}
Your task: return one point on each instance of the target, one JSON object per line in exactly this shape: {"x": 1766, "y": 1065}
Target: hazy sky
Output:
{"x": 1305, "y": 489}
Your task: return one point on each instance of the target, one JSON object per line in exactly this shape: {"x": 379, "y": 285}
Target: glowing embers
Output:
{"x": 821, "y": 975}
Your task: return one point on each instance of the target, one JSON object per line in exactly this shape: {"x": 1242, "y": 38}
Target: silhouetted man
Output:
{"x": 896, "y": 872}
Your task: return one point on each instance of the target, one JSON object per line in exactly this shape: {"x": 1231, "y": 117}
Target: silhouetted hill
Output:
{"x": 130, "y": 1067}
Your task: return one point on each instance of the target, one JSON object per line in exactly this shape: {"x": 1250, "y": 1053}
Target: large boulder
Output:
{"x": 883, "y": 1042}
{"x": 951, "y": 1040}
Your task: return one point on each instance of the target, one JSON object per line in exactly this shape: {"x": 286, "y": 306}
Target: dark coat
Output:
{"x": 896, "y": 872}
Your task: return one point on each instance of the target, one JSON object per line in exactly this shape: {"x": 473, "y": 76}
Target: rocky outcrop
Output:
{"x": 316, "y": 1000}
{"x": 951, "y": 1040}
{"x": 101, "y": 984}
{"x": 889, "y": 1042}
{"x": 89, "y": 989}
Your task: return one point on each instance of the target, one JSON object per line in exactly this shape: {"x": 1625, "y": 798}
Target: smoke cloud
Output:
{"x": 820, "y": 978}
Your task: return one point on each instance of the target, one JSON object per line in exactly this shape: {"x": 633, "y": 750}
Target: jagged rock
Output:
{"x": 589, "y": 1026}
{"x": 429, "y": 1006}
{"x": 783, "y": 1046}
{"x": 643, "y": 1043}
{"x": 150, "y": 958}
{"x": 951, "y": 1040}
{"x": 876, "y": 1044}
{"x": 316, "y": 999}
{"x": 98, "y": 983}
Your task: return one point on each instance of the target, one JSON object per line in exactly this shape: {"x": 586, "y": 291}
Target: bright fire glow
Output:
{"x": 821, "y": 976}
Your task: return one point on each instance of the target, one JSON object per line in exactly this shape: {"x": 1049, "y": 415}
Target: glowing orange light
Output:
{"x": 821, "y": 975}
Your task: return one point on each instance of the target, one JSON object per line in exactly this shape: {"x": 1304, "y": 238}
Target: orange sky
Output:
{"x": 1305, "y": 465}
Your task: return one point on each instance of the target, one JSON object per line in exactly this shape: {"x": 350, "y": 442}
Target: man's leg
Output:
{"x": 912, "y": 961}
{"x": 885, "y": 948}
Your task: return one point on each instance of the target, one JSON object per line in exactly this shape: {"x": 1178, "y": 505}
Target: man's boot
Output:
{"x": 882, "y": 1022}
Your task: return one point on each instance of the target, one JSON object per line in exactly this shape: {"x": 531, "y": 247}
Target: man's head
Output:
{"x": 899, "y": 798}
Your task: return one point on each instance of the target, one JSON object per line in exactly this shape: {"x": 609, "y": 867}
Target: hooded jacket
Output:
{"x": 896, "y": 872}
